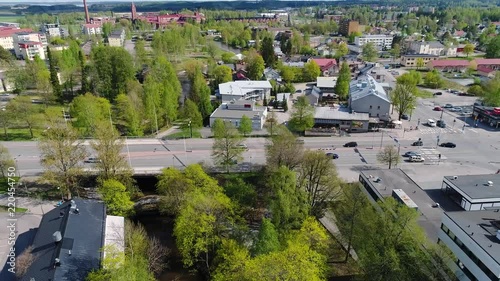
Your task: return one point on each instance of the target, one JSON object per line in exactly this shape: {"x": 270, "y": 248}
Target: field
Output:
{"x": 8, "y": 17}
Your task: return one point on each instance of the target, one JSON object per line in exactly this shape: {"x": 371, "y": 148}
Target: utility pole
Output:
{"x": 190, "y": 128}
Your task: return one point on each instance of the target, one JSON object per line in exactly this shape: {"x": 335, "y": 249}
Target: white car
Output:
{"x": 416, "y": 158}
{"x": 431, "y": 123}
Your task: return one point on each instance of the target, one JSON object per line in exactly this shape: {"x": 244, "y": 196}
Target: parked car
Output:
{"x": 418, "y": 143}
{"x": 405, "y": 117}
{"x": 431, "y": 123}
{"x": 448, "y": 105}
{"x": 332, "y": 155}
{"x": 438, "y": 93}
{"x": 300, "y": 141}
{"x": 455, "y": 109}
{"x": 411, "y": 153}
{"x": 243, "y": 146}
{"x": 416, "y": 158}
{"x": 438, "y": 108}
{"x": 448, "y": 144}
{"x": 351, "y": 144}
{"x": 92, "y": 160}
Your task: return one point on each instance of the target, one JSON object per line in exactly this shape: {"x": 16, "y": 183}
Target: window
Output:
{"x": 370, "y": 107}
{"x": 444, "y": 228}
{"x": 378, "y": 107}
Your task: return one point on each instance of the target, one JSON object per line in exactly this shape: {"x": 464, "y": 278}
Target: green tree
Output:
{"x": 302, "y": 117}
{"x": 284, "y": 149}
{"x": 420, "y": 63}
{"x": 6, "y": 160}
{"x": 342, "y": 50}
{"x": 311, "y": 71}
{"x": 89, "y": 110}
{"x": 222, "y": 74}
{"x": 245, "y": 126}
{"x": 396, "y": 51}
{"x": 190, "y": 112}
{"x": 343, "y": 82}
{"x": 226, "y": 150}
{"x": 84, "y": 70}
{"x": 127, "y": 119}
{"x": 267, "y": 52}
{"x": 389, "y": 155}
{"x": 493, "y": 48}
{"x": 23, "y": 110}
{"x": 267, "y": 240}
{"x": 287, "y": 74}
{"x": 469, "y": 49}
{"x": 115, "y": 196}
{"x": 141, "y": 55}
{"x": 491, "y": 96}
{"x": 173, "y": 186}
{"x": 433, "y": 80}
{"x": 369, "y": 52}
{"x": 403, "y": 98}
{"x": 271, "y": 122}
{"x": 54, "y": 78}
{"x": 6, "y": 57}
{"x": 255, "y": 65}
{"x": 227, "y": 57}
{"x": 410, "y": 78}
{"x": 5, "y": 121}
{"x": 200, "y": 94}
{"x": 62, "y": 153}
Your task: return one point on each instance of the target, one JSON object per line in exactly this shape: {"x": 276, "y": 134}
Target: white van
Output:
{"x": 431, "y": 123}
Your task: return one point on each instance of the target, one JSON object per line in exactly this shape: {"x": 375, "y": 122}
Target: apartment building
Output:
{"x": 6, "y": 36}
{"x": 116, "y": 38}
{"x": 92, "y": 29}
{"x": 25, "y": 47}
{"x": 381, "y": 41}
{"x": 411, "y": 60}
{"x": 348, "y": 26}
{"x": 29, "y": 49}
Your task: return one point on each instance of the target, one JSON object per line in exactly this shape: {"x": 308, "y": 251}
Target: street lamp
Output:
{"x": 190, "y": 128}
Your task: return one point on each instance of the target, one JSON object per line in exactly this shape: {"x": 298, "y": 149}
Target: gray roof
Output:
{"x": 484, "y": 225}
{"x": 435, "y": 44}
{"x": 222, "y": 113}
{"x": 82, "y": 233}
{"x": 420, "y": 56}
{"x": 365, "y": 86}
{"x": 116, "y": 33}
{"x": 339, "y": 114}
{"x": 475, "y": 186}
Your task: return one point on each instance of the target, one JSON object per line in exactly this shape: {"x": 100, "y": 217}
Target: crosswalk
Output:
{"x": 448, "y": 130}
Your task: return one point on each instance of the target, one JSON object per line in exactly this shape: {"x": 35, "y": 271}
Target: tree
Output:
{"x": 112, "y": 164}
{"x": 255, "y": 65}
{"x": 5, "y": 121}
{"x": 287, "y": 74}
{"x": 342, "y": 50}
{"x": 6, "y": 160}
{"x": 288, "y": 203}
{"x": 84, "y": 70}
{"x": 389, "y": 155}
{"x": 127, "y": 117}
{"x": 267, "y": 52}
{"x": 420, "y": 63}
{"x": 200, "y": 94}
{"x": 90, "y": 110}
{"x": 267, "y": 240}
{"x": 410, "y": 78}
{"x": 6, "y": 57}
{"x": 212, "y": 49}
{"x": 271, "y": 122}
{"x": 222, "y": 74}
{"x": 115, "y": 196}
{"x": 491, "y": 96}
{"x": 469, "y": 49}
{"x": 190, "y": 112}
{"x": 22, "y": 109}
{"x": 226, "y": 149}
{"x": 284, "y": 103}
{"x": 403, "y": 98}
{"x": 54, "y": 78}
{"x": 311, "y": 71}
{"x": 396, "y": 51}
{"x": 369, "y": 52}
{"x": 433, "y": 80}
{"x": 343, "y": 82}
{"x": 493, "y": 48}
{"x": 245, "y": 127}
{"x": 284, "y": 149}
{"x": 61, "y": 155}
{"x": 302, "y": 117}
{"x": 173, "y": 186}
{"x": 317, "y": 175}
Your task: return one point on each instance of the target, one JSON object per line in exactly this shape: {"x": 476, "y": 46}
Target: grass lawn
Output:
{"x": 447, "y": 84}
{"x": 424, "y": 94}
{"x": 18, "y": 210}
{"x": 22, "y": 134}
{"x": 6, "y": 17}
{"x": 4, "y": 184}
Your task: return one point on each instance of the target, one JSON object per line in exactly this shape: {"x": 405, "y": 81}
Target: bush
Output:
{"x": 239, "y": 190}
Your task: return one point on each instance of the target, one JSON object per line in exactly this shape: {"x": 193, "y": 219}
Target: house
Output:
{"x": 328, "y": 66}
{"x": 383, "y": 42}
{"x": 489, "y": 63}
{"x": 7, "y": 36}
{"x": 474, "y": 240}
{"x": 486, "y": 71}
{"x": 487, "y": 115}
{"x": 459, "y": 34}
{"x": 53, "y": 30}
{"x": 314, "y": 95}
{"x": 411, "y": 60}
{"x": 92, "y": 29}
{"x": 69, "y": 240}
{"x": 341, "y": 118}
{"x": 299, "y": 64}
{"x": 326, "y": 84}
{"x": 246, "y": 90}
{"x": 272, "y": 74}
{"x": 116, "y": 38}
{"x": 368, "y": 96}
{"x": 428, "y": 48}
{"x": 449, "y": 65}
{"x": 234, "y": 110}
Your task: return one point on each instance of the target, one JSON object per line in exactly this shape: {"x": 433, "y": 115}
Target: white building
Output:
{"x": 381, "y": 41}
{"x": 432, "y": 48}
{"x": 246, "y": 90}
{"x": 234, "y": 110}
{"x": 474, "y": 239}
{"x": 91, "y": 29}
{"x": 52, "y": 30}
{"x": 7, "y": 36}
{"x": 116, "y": 38}
{"x": 368, "y": 96}
{"x": 29, "y": 49}
{"x": 473, "y": 192}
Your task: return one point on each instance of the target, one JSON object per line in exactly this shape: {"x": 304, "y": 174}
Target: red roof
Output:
{"x": 28, "y": 43}
{"x": 449, "y": 63}
{"x": 460, "y": 33}
{"x": 487, "y": 62}
{"x": 325, "y": 64}
{"x": 8, "y": 32}
{"x": 485, "y": 69}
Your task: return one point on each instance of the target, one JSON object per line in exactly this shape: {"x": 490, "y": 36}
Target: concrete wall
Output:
{"x": 363, "y": 106}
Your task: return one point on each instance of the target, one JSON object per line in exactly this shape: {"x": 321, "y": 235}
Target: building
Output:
{"x": 473, "y": 192}
{"x": 411, "y": 60}
{"x": 326, "y": 84}
{"x": 69, "y": 240}
{"x": 244, "y": 89}
{"x": 26, "y": 44}
{"x": 367, "y": 96}
{"x": 383, "y": 42}
{"x": 474, "y": 239}
{"x": 348, "y": 26}
{"x": 486, "y": 71}
{"x": 487, "y": 115}
{"x": 7, "y": 36}
{"x": 342, "y": 119}
{"x": 160, "y": 21}
{"x": 234, "y": 110}
{"x": 52, "y": 30}
{"x": 116, "y": 38}
{"x": 489, "y": 63}
{"x": 272, "y": 74}
{"x": 428, "y": 48}
{"x": 92, "y": 29}
{"x": 449, "y": 65}
{"x": 328, "y": 66}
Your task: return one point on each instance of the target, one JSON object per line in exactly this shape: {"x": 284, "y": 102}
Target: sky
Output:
{"x": 70, "y": 1}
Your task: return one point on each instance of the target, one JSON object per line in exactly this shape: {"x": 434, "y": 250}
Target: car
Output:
{"x": 448, "y": 105}
{"x": 438, "y": 93}
{"x": 438, "y": 108}
{"x": 4, "y": 95}
{"x": 300, "y": 141}
{"x": 477, "y": 103}
{"x": 418, "y": 143}
{"x": 405, "y": 117}
{"x": 92, "y": 160}
{"x": 411, "y": 153}
{"x": 441, "y": 124}
{"x": 332, "y": 155}
{"x": 351, "y": 144}
{"x": 467, "y": 113}
{"x": 455, "y": 109}
{"x": 431, "y": 123}
{"x": 416, "y": 158}
{"x": 298, "y": 91}
{"x": 448, "y": 144}
{"x": 242, "y": 146}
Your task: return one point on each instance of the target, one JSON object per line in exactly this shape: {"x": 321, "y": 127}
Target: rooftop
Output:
{"x": 445, "y": 63}
{"x": 339, "y": 114}
{"x": 325, "y": 62}
{"x": 420, "y": 56}
{"x": 430, "y": 217}
{"x": 364, "y": 86}
{"x": 487, "y": 61}
{"x": 82, "y": 233}
{"x": 482, "y": 227}
{"x": 326, "y": 82}
{"x": 240, "y": 88}
{"x": 476, "y": 186}
{"x": 375, "y": 36}
{"x": 222, "y": 112}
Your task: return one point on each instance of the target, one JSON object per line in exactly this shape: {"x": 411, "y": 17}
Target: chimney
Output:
{"x": 87, "y": 17}
{"x": 133, "y": 11}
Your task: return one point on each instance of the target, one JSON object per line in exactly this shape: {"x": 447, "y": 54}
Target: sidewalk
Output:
{"x": 328, "y": 221}
{"x": 167, "y": 132}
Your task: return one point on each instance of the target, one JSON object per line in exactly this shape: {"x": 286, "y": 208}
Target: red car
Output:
{"x": 438, "y": 108}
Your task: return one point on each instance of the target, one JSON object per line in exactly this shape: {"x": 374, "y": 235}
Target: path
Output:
{"x": 328, "y": 221}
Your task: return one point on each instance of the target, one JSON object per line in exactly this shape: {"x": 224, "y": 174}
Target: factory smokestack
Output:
{"x": 87, "y": 17}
